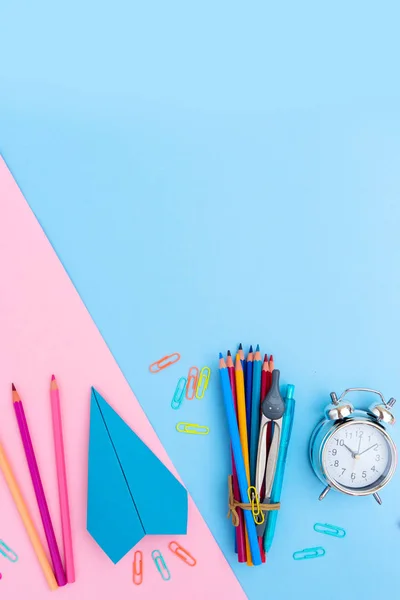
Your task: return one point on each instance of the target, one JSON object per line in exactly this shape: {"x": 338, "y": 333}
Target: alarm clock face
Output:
{"x": 359, "y": 457}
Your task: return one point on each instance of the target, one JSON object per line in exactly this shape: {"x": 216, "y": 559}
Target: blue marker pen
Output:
{"x": 280, "y": 467}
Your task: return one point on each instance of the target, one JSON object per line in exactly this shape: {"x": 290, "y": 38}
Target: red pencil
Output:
{"x": 240, "y": 530}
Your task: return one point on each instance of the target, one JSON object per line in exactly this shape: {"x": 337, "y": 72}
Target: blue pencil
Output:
{"x": 255, "y": 413}
{"x": 249, "y": 385}
{"x": 280, "y": 466}
{"x": 238, "y": 456}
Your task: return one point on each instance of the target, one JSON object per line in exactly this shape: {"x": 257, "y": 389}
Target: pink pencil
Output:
{"x": 62, "y": 480}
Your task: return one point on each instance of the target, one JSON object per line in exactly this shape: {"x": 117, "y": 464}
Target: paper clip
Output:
{"x": 137, "y": 567}
{"x": 179, "y": 394}
{"x": 7, "y": 552}
{"x": 309, "y": 553}
{"x": 202, "y": 384}
{"x": 329, "y": 530}
{"x": 160, "y": 564}
{"x": 182, "y": 554}
{"x": 192, "y": 428}
{"x": 256, "y": 511}
{"x": 193, "y": 377}
{"x": 164, "y": 362}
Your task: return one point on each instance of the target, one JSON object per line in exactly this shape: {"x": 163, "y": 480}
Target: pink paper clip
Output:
{"x": 183, "y": 554}
{"x": 164, "y": 362}
{"x": 138, "y": 567}
{"x": 191, "y": 386}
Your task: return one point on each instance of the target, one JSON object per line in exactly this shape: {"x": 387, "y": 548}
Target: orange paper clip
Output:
{"x": 191, "y": 386}
{"x": 182, "y": 554}
{"x": 164, "y": 362}
{"x": 138, "y": 567}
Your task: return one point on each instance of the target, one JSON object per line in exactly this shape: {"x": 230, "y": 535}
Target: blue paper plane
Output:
{"x": 131, "y": 493}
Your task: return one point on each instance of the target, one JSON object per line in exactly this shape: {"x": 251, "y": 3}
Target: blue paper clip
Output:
{"x": 309, "y": 553}
{"x": 160, "y": 564}
{"x": 179, "y": 394}
{"x": 7, "y": 552}
{"x": 329, "y": 530}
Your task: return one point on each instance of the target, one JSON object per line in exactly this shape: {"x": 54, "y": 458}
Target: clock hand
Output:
{"x": 350, "y": 450}
{"x": 373, "y": 446}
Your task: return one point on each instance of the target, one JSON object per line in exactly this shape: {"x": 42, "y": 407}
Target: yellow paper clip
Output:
{"x": 202, "y": 384}
{"x": 164, "y": 362}
{"x": 193, "y": 377}
{"x": 192, "y": 428}
{"x": 160, "y": 564}
{"x": 256, "y": 511}
{"x": 182, "y": 554}
{"x": 138, "y": 567}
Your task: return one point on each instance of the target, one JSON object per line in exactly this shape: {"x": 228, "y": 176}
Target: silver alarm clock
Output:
{"x": 350, "y": 450}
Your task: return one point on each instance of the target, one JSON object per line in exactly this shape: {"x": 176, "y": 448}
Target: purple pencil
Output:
{"x": 38, "y": 487}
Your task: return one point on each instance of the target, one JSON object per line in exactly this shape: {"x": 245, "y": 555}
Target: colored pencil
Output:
{"x": 241, "y": 415}
{"x": 264, "y": 372}
{"x": 27, "y": 520}
{"x": 249, "y": 384}
{"x": 240, "y": 533}
{"x": 38, "y": 487}
{"x": 264, "y": 384}
{"x": 239, "y": 460}
{"x": 62, "y": 480}
{"x": 255, "y": 413}
{"x": 242, "y": 358}
{"x": 280, "y": 467}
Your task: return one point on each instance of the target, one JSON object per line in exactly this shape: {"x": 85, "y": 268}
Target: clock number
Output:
{"x": 343, "y": 470}
{"x": 378, "y": 457}
{"x": 339, "y": 442}
{"x": 349, "y": 434}
{"x": 364, "y": 474}
{"x": 373, "y": 468}
{"x": 359, "y": 433}
{"x": 336, "y": 463}
{"x": 353, "y": 476}
{"x": 334, "y": 452}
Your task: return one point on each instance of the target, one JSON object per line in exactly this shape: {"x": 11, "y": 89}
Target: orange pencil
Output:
{"x": 27, "y": 520}
{"x": 241, "y": 411}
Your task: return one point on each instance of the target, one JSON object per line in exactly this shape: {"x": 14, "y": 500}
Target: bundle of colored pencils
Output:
{"x": 246, "y": 382}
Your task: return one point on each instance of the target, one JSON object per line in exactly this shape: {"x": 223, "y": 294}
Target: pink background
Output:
{"x": 45, "y": 328}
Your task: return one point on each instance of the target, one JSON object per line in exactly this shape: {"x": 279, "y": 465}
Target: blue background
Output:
{"x": 216, "y": 172}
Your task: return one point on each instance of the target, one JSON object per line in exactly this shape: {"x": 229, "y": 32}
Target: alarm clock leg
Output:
{"x": 378, "y": 498}
{"x": 325, "y": 492}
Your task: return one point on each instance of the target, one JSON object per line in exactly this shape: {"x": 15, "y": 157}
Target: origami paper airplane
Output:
{"x": 131, "y": 493}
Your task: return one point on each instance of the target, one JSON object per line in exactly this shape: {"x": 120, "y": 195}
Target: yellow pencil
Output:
{"x": 241, "y": 410}
{"x": 26, "y": 519}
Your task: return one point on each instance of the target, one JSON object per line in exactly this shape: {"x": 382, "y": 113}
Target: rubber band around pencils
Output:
{"x": 233, "y": 505}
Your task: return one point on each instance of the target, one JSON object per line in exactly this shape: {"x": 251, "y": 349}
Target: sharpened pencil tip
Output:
{"x": 52, "y": 377}
{"x": 229, "y": 353}
{"x": 251, "y": 348}
{"x": 258, "y": 348}
{"x": 14, "y": 389}
{"x": 221, "y": 355}
{"x": 240, "y": 347}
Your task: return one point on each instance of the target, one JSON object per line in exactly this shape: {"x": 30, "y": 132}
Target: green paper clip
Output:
{"x": 7, "y": 552}
{"x": 160, "y": 564}
{"x": 192, "y": 428}
{"x": 179, "y": 394}
{"x": 309, "y": 553}
{"x": 329, "y": 530}
{"x": 202, "y": 384}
